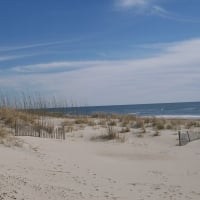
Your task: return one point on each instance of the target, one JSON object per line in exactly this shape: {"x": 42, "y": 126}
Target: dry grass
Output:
{"x": 125, "y": 130}
{"x": 112, "y": 123}
{"x": 7, "y": 139}
{"x": 192, "y": 124}
{"x": 81, "y": 120}
{"x": 99, "y": 115}
{"x": 139, "y": 123}
{"x": 3, "y": 132}
{"x": 102, "y": 123}
{"x": 110, "y": 134}
{"x": 157, "y": 133}
{"x": 19, "y": 120}
{"x": 11, "y": 116}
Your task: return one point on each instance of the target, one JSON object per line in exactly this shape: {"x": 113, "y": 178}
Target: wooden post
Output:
{"x": 188, "y": 136}
{"x": 15, "y": 127}
{"x": 179, "y": 138}
{"x": 63, "y": 132}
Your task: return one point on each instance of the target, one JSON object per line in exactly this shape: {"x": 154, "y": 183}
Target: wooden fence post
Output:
{"x": 179, "y": 137}
{"x": 188, "y": 136}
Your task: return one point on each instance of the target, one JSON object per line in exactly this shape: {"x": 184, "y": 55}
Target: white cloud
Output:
{"x": 147, "y": 7}
{"x": 42, "y": 67}
{"x": 171, "y": 76}
{"x": 153, "y": 7}
{"x": 133, "y": 3}
{"x": 138, "y": 5}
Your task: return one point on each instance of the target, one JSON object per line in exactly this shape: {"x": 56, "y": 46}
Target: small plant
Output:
{"x": 99, "y": 115}
{"x": 140, "y": 135}
{"x": 143, "y": 130}
{"x": 91, "y": 123}
{"x": 69, "y": 129}
{"x": 81, "y": 120}
{"x": 111, "y": 134}
{"x": 125, "y": 130}
{"x": 102, "y": 122}
{"x": 157, "y": 133}
{"x": 3, "y": 132}
{"x": 169, "y": 126}
{"x": 158, "y": 124}
{"x": 112, "y": 123}
{"x": 147, "y": 120}
{"x": 191, "y": 124}
{"x": 138, "y": 124}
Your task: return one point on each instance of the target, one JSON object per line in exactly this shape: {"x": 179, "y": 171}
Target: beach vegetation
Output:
{"x": 125, "y": 130}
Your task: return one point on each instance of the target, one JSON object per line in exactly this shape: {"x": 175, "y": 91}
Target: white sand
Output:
{"x": 152, "y": 168}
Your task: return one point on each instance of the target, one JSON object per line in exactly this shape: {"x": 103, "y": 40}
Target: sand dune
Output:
{"x": 150, "y": 168}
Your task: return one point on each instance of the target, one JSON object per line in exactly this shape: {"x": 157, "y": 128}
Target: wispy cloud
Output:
{"x": 160, "y": 11}
{"x": 47, "y": 67}
{"x": 147, "y": 7}
{"x": 133, "y": 3}
{"x": 37, "y": 45}
{"x": 13, "y": 57}
{"x": 141, "y": 6}
{"x": 13, "y": 48}
{"x": 173, "y": 75}
{"x": 152, "y": 7}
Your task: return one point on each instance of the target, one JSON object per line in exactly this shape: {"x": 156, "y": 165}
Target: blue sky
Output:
{"x": 101, "y": 52}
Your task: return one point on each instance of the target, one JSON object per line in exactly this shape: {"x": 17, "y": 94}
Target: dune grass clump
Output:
{"x": 112, "y": 123}
{"x": 139, "y": 123}
{"x": 192, "y": 124}
{"x": 11, "y": 116}
{"x": 91, "y": 123}
{"x": 110, "y": 134}
{"x": 158, "y": 124}
{"x": 125, "y": 130}
{"x": 3, "y": 133}
{"x": 81, "y": 120}
{"x": 157, "y": 133}
{"x": 99, "y": 115}
{"x": 39, "y": 125}
{"x": 126, "y": 120}
{"x": 102, "y": 123}
{"x": 7, "y": 139}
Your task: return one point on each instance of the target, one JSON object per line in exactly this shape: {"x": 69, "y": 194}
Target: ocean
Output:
{"x": 170, "y": 110}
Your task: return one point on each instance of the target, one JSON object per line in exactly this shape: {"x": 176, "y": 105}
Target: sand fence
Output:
{"x": 188, "y": 136}
{"x": 29, "y": 130}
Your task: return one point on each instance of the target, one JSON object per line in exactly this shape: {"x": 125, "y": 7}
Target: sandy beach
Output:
{"x": 99, "y": 100}
{"x": 150, "y": 168}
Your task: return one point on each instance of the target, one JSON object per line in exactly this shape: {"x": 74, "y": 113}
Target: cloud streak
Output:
{"x": 13, "y": 57}
{"x": 146, "y": 7}
{"x": 37, "y": 45}
{"x": 171, "y": 76}
{"x": 152, "y": 7}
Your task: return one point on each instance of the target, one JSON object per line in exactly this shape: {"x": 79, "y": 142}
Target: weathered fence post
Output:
{"x": 15, "y": 127}
{"x": 188, "y": 136}
{"x": 179, "y": 137}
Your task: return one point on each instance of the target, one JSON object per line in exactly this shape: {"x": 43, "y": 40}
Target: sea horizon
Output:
{"x": 167, "y": 110}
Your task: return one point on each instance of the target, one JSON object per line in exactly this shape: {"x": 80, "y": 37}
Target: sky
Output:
{"x": 108, "y": 52}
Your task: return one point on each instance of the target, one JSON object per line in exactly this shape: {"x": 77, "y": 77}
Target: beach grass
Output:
{"x": 40, "y": 114}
